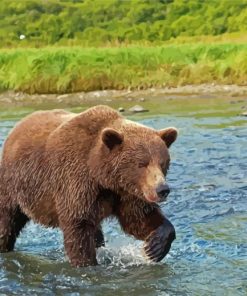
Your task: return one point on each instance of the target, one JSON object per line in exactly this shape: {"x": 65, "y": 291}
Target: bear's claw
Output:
{"x": 158, "y": 243}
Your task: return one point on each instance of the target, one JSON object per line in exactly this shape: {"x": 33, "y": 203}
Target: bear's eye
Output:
{"x": 143, "y": 164}
{"x": 165, "y": 167}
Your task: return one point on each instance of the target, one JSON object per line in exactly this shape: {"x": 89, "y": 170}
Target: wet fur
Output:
{"x": 55, "y": 171}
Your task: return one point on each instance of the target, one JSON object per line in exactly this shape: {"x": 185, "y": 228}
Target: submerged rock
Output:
{"x": 121, "y": 109}
{"x": 138, "y": 109}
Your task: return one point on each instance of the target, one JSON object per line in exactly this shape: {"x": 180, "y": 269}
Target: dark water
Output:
{"x": 207, "y": 206}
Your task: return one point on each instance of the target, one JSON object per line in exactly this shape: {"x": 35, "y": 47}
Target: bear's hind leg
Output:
{"x": 99, "y": 238}
{"x": 12, "y": 220}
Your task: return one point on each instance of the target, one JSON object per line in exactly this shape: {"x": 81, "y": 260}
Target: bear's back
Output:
{"x": 32, "y": 132}
{"x": 81, "y": 132}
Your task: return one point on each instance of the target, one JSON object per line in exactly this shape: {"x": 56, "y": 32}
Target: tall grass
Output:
{"x": 61, "y": 70}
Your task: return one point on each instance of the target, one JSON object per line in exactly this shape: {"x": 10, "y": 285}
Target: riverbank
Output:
{"x": 61, "y": 70}
{"x": 209, "y": 91}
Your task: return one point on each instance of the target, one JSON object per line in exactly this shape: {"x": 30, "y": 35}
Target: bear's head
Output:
{"x": 134, "y": 159}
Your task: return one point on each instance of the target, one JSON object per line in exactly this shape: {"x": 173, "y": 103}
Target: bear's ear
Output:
{"x": 168, "y": 135}
{"x": 111, "y": 138}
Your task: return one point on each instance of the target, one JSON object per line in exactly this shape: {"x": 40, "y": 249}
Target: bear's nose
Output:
{"x": 163, "y": 190}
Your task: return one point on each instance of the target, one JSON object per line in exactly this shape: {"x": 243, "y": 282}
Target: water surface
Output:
{"x": 207, "y": 206}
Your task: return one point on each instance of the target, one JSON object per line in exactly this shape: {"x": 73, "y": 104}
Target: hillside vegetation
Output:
{"x": 100, "y": 22}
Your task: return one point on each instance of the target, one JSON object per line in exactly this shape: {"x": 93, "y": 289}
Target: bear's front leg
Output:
{"x": 79, "y": 242}
{"x": 146, "y": 222}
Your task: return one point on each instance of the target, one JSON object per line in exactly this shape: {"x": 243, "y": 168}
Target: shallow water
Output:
{"x": 207, "y": 207}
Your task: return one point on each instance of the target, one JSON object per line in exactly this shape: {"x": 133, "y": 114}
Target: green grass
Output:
{"x": 61, "y": 70}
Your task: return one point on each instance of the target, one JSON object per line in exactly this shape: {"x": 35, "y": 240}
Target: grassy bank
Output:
{"x": 61, "y": 70}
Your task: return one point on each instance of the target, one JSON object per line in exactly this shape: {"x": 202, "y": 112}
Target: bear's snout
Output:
{"x": 163, "y": 191}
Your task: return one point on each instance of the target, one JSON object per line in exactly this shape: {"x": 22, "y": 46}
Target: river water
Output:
{"x": 207, "y": 206}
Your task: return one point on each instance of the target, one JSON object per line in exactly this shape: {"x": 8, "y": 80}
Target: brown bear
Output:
{"x": 73, "y": 170}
